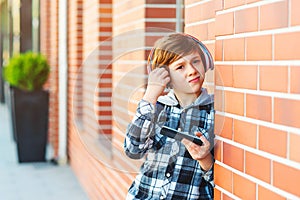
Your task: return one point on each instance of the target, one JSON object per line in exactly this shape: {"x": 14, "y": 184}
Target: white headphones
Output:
{"x": 208, "y": 62}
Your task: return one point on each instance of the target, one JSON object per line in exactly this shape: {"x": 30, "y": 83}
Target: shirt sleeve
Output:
{"x": 209, "y": 175}
{"x": 140, "y": 133}
{"x": 210, "y": 136}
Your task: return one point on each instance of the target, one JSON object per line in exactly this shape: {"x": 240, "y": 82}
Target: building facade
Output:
{"x": 98, "y": 51}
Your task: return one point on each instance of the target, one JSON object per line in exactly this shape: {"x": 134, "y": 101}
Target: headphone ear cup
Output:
{"x": 209, "y": 63}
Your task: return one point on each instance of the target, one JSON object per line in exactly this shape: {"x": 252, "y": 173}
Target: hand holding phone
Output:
{"x": 177, "y": 135}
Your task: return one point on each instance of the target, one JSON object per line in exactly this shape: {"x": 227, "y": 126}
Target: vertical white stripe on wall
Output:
{"x": 62, "y": 61}
{"x": 179, "y": 7}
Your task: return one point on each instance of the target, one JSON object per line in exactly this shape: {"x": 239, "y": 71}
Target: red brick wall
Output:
{"x": 257, "y": 98}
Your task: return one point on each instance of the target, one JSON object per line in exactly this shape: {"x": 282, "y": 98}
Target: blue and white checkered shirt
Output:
{"x": 169, "y": 171}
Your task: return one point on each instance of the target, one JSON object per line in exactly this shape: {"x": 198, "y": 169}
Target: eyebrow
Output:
{"x": 196, "y": 57}
{"x": 193, "y": 58}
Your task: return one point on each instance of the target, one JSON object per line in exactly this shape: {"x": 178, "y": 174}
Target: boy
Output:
{"x": 174, "y": 169}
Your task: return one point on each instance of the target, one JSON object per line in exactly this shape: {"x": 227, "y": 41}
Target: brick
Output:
{"x": 200, "y": 12}
{"x": 259, "y": 107}
{"x": 259, "y": 48}
{"x": 255, "y": 162}
{"x": 225, "y": 197}
{"x": 286, "y": 46}
{"x": 218, "y": 150}
{"x": 243, "y": 188}
{"x": 286, "y": 178}
{"x": 264, "y": 193}
{"x": 295, "y": 79}
{"x": 233, "y": 3}
{"x": 219, "y": 103}
{"x": 160, "y": 13}
{"x": 295, "y": 14}
{"x": 246, "y": 20}
{"x": 286, "y": 112}
{"x": 217, "y": 194}
{"x": 269, "y": 17}
{"x": 218, "y": 5}
{"x": 219, "y": 50}
{"x": 211, "y": 31}
{"x": 211, "y": 49}
{"x": 293, "y": 146}
{"x": 245, "y": 133}
{"x": 105, "y": 1}
{"x": 224, "y": 75}
{"x": 199, "y": 31}
{"x": 234, "y": 103}
{"x": 227, "y": 19}
{"x": 223, "y": 126}
{"x": 245, "y": 77}
{"x": 273, "y": 141}
{"x": 164, "y": 25}
{"x": 234, "y": 49}
{"x": 273, "y": 78}
{"x": 233, "y": 156}
{"x": 223, "y": 177}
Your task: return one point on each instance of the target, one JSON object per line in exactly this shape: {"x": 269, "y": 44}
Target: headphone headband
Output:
{"x": 209, "y": 64}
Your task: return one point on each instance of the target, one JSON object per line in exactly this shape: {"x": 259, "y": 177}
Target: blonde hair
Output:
{"x": 170, "y": 48}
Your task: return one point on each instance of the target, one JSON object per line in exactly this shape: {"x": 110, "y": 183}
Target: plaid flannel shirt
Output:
{"x": 169, "y": 171}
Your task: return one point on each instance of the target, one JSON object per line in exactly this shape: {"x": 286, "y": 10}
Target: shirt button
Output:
{"x": 168, "y": 175}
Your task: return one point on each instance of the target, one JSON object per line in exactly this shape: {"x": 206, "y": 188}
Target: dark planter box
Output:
{"x": 30, "y": 113}
{"x": 10, "y": 104}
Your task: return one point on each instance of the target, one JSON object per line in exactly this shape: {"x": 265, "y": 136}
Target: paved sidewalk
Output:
{"x": 32, "y": 181}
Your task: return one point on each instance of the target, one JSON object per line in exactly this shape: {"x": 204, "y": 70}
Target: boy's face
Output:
{"x": 187, "y": 74}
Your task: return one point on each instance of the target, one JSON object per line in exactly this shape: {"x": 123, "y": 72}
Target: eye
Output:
{"x": 179, "y": 67}
{"x": 197, "y": 61}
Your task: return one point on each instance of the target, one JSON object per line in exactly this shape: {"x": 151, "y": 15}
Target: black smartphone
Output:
{"x": 177, "y": 135}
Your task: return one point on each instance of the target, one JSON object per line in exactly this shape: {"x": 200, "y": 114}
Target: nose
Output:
{"x": 191, "y": 70}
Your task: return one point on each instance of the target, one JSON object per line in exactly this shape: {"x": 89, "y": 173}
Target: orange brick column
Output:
{"x": 49, "y": 47}
{"x": 257, "y": 100}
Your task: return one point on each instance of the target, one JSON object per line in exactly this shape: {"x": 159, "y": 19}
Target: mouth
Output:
{"x": 194, "y": 80}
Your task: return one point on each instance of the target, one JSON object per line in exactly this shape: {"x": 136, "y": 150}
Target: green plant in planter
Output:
{"x": 27, "y": 71}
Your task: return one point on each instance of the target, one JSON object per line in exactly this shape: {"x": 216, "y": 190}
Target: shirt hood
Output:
{"x": 171, "y": 100}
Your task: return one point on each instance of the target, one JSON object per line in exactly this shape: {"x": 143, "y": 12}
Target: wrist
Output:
{"x": 206, "y": 162}
{"x": 150, "y": 97}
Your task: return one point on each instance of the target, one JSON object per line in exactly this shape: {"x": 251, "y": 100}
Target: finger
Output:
{"x": 185, "y": 142}
{"x": 160, "y": 70}
{"x": 198, "y": 134}
{"x": 188, "y": 144}
{"x": 205, "y": 141}
{"x": 163, "y": 72}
